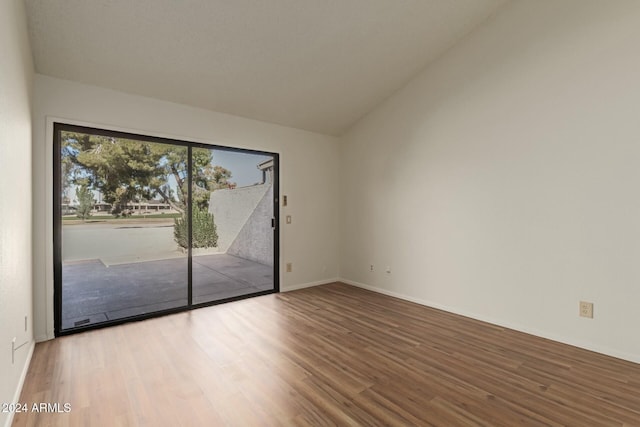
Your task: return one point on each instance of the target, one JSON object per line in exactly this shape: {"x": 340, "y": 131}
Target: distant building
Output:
{"x": 136, "y": 208}
{"x": 267, "y": 171}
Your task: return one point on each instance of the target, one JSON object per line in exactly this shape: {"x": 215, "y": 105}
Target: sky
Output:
{"x": 243, "y": 166}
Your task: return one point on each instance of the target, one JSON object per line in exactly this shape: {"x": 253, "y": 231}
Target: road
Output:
{"x": 119, "y": 241}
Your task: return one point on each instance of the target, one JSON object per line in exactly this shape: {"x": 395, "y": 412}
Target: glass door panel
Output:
{"x": 119, "y": 202}
{"x": 233, "y": 236}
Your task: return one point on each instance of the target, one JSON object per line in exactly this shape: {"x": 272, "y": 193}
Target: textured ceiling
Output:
{"x": 317, "y": 65}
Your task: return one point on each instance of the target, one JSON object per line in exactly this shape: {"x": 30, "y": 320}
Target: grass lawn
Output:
{"x": 111, "y": 217}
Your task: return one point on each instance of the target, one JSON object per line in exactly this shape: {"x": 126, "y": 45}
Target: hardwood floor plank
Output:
{"x": 328, "y": 355}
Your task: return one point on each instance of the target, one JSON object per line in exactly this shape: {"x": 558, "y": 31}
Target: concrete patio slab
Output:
{"x": 93, "y": 292}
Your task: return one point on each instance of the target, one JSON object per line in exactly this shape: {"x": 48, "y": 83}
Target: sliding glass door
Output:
{"x": 145, "y": 226}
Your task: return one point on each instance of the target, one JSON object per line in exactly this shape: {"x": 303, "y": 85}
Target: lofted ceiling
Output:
{"x": 317, "y": 65}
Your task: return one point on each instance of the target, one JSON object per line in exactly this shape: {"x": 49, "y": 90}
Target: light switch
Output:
{"x": 288, "y": 219}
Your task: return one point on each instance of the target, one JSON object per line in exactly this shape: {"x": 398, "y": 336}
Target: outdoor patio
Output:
{"x": 93, "y": 292}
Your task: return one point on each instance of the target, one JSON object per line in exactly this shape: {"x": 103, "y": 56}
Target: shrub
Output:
{"x": 85, "y": 201}
{"x": 204, "y": 230}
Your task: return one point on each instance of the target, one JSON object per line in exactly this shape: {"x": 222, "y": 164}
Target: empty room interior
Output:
{"x": 306, "y": 212}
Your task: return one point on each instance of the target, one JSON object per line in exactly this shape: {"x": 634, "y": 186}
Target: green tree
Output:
{"x": 125, "y": 170}
{"x": 122, "y": 170}
{"x": 85, "y": 201}
{"x": 206, "y": 177}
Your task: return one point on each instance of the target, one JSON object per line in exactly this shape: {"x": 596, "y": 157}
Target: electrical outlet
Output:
{"x": 371, "y": 267}
{"x": 288, "y": 219}
{"x": 289, "y": 267}
{"x": 586, "y": 309}
{"x": 284, "y": 200}
{"x": 388, "y": 270}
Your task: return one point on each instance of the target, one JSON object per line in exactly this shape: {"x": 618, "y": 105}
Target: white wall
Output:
{"x": 16, "y": 79}
{"x": 503, "y": 182}
{"x": 308, "y": 174}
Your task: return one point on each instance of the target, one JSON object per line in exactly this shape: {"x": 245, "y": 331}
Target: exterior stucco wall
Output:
{"x": 231, "y": 209}
{"x": 255, "y": 240}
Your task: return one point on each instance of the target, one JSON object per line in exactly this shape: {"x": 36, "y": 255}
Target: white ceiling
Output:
{"x": 317, "y": 65}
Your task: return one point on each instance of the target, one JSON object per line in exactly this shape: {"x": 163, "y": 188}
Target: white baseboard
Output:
{"x": 308, "y": 285}
{"x": 23, "y": 376}
{"x": 498, "y": 322}
{"x": 41, "y": 338}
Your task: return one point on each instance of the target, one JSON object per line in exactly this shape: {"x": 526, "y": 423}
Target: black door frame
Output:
{"x": 58, "y": 128}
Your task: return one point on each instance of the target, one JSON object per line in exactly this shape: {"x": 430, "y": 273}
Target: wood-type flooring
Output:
{"x": 327, "y": 355}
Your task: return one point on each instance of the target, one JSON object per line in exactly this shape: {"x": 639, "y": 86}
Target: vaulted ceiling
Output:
{"x": 317, "y": 65}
